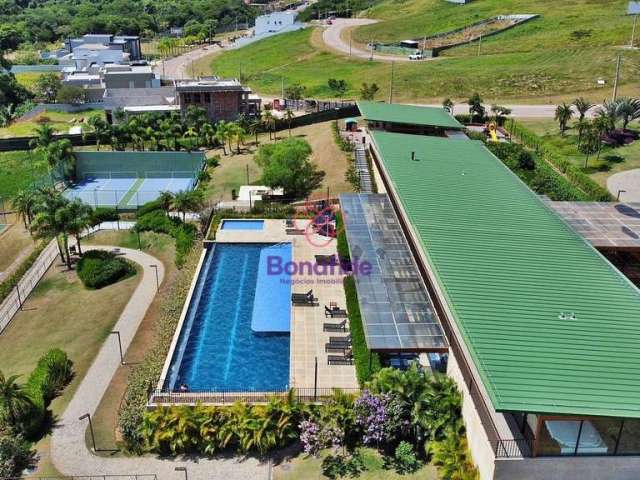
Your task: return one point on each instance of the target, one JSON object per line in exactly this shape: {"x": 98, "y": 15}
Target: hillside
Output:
{"x": 563, "y": 53}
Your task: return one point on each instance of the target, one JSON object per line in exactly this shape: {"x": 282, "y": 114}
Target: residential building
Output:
{"x": 134, "y": 101}
{"x": 540, "y": 328}
{"x": 221, "y": 99}
{"x": 129, "y": 76}
{"x": 127, "y": 44}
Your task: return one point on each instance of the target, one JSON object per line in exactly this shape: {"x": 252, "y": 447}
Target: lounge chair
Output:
{"x": 295, "y": 231}
{"x": 306, "y": 299}
{"x": 334, "y": 312}
{"x": 346, "y": 340}
{"x": 333, "y": 347}
{"x": 335, "y": 327}
{"x": 345, "y": 359}
{"x": 326, "y": 260}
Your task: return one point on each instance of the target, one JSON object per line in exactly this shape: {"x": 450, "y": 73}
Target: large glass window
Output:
{"x": 593, "y": 436}
{"x": 558, "y": 437}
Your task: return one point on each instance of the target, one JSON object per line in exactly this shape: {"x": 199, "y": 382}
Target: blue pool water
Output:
{"x": 242, "y": 224}
{"x": 217, "y": 348}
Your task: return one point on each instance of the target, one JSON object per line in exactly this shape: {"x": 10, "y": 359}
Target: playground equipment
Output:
{"x": 492, "y": 132}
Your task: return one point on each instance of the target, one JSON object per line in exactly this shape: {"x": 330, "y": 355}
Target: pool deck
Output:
{"x": 307, "y": 336}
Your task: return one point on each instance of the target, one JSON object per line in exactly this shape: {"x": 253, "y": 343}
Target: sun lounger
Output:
{"x": 326, "y": 260}
{"x": 341, "y": 340}
{"x": 335, "y": 327}
{"x": 333, "y": 347}
{"x": 295, "y": 231}
{"x": 346, "y": 359}
{"x": 305, "y": 299}
{"x": 334, "y": 312}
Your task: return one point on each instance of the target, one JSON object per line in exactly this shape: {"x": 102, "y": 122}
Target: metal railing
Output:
{"x": 224, "y": 397}
{"x": 13, "y": 303}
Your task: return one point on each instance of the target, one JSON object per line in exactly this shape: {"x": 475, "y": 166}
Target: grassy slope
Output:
{"x": 60, "y": 121}
{"x": 541, "y": 58}
{"x": 18, "y": 170}
{"x": 612, "y": 160}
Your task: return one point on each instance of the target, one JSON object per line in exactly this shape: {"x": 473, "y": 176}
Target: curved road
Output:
{"x": 69, "y": 452}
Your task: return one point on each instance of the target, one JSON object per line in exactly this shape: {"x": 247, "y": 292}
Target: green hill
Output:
{"x": 560, "y": 54}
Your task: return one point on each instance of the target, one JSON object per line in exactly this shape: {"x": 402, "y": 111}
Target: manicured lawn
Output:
{"x": 162, "y": 247}
{"x": 310, "y": 468}
{"x": 232, "y": 171}
{"x": 28, "y": 79}
{"x": 562, "y": 53}
{"x": 612, "y": 160}
{"x": 15, "y": 242}
{"x": 18, "y": 170}
{"x": 60, "y": 121}
{"x": 62, "y": 313}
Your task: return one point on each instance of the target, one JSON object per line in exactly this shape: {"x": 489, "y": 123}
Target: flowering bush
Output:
{"x": 371, "y": 416}
{"x": 315, "y": 438}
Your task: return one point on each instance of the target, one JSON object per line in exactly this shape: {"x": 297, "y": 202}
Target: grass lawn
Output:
{"x": 310, "y": 468}
{"x": 162, "y": 247}
{"x": 18, "y": 170}
{"x": 556, "y": 56}
{"x": 15, "y": 244}
{"x": 28, "y": 79}
{"x": 60, "y": 121}
{"x": 612, "y": 160}
{"x": 232, "y": 171}
{"x": 62, "y": 313}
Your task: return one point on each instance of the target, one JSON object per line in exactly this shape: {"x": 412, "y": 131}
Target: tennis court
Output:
{"x": 128, "y": 180}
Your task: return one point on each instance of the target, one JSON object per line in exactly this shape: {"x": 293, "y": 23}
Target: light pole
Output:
{"x": 93, "y": 437}
{"x": 138, "y": 233}
{"x": 117, "y": 333}
{"x": 155, "y": 267}
{"x": 618, "y": 195}
{"x": 182, "y": 469}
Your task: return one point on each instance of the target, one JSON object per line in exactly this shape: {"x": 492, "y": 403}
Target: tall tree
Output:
{"x": 79, "y": 215}
{"x": 476, "y": 109}
{"x": 187, "y": 201}
{"x": 51, "y": 220}
{"x": 582, "y": 106}
{"x": 14, "y": 399}
{"x": 368, "y": 91}
{"x": 628, "y": 110}
{"x": 562, "y": 115}
{"x": 44, "y": 136}
{"x": 289, "y": 116}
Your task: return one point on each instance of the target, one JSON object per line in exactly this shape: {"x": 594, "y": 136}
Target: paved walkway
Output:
{"x": 629, "y": 182}
{"x": 68, "y": 449}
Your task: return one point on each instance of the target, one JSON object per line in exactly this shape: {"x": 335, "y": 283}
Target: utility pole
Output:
{"x": 633, "y": 30}
{"x": 349, "y": 42}
{"x": 391, "y": 85}
{"x": 282, "y": 87}
{"x": 371, "y": 45}
{"x": 480, "y": 44}
{"x": 617, "y": 79}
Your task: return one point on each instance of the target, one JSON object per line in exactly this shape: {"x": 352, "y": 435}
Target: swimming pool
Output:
{"x": 217, "y": 349}
{"x": 242, "y": 225}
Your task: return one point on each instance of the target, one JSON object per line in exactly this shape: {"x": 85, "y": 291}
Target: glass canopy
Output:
{"x": 397, "y": 312}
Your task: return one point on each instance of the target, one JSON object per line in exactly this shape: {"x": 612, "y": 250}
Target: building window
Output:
{"x": 629, "y": 438}
{"x": 595, "y": 436}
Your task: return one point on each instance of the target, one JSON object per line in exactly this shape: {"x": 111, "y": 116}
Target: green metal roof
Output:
{"x": 509, "y": 267}
{"x": 407, "y": 114}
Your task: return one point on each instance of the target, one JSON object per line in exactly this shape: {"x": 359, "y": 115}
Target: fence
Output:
{"x": 223, "y": 397}
{"x": 27, "y": 283}
{"x": 22, "y": 143}
{"x": 349, "y": 110}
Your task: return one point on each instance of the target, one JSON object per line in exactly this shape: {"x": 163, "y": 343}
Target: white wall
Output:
{"x": 273, "y": 22}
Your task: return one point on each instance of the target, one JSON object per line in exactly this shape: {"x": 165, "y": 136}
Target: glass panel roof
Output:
{"x": 397, "y": 312}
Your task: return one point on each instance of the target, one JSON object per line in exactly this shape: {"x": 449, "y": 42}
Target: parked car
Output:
{"x": 416, "y": 56}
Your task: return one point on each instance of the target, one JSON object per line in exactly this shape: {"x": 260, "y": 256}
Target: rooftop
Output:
{"x": 397, "y": 313}
{"x": 210, "y": 84}
{"x": 407, "y": 114}
{"x": 550, "y": 324}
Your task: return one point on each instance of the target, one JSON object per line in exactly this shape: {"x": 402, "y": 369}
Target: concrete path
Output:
{"x": 68, "y": 449}
{"x": 629, "y": 181}
{"x": 180, "y": 67}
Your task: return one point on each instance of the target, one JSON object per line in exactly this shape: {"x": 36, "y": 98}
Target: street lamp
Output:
{"x": 618, "y": 195}
{"x": 115, "y": 332}
{"x": 93, "y": 437}
{"x": 182, "y": 469}
{"x": 155, "y": 267}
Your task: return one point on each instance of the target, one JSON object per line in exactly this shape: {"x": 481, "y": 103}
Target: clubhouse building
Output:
{"x": 538, "y": 328}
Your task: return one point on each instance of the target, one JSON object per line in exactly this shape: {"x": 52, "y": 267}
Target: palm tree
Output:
{"x": 448, "y": 105}
{"x": 254, "y": 128}
{"x": 23, "y": 202}
{"x": 562, "y": 116}
{"x": 581, "y": 125}
{"x": 268, "y": 120}
{"x": 609, "y": 115}
{"x": 628, "y": 110}
{"x": 208, "y": 134}
{"x": 238, "y": 134}
{"x": 289, "y": 116}
{"x": 191, "y": 134}
{"x": 100, "y": 128}
{"x": 582, "y": 106}
{"x": 43, "y": 138}
{"x": 451, "y": 455}
{"x": 223, "y": 131}
{"x": 60, "y": 158}
{"x": 79, "y": 214}
{"x": 51, "y": 220}
{"x": 187, "y": 201}
{"x": 13, "y": 398}
{"x": 165, "y": 200}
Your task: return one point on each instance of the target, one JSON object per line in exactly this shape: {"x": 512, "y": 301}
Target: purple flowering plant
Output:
{"x": 371, "y": 415}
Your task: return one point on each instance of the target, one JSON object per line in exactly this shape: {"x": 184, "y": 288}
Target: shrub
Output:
{"x": 103, "y": 214}
{"x": 405, "y": 460}
{"x": 359, "y": 344}
{"x": 99, "y": 268}
{"x": 343, "y": 245}
{"x": 149, "y": 207}
{"x": 339, "y": 466}
{"x": 183, "y": 233}
{"x": 213, "y": 161}
{"x": 452, "y": 455}
{"x": 15, "y": 454}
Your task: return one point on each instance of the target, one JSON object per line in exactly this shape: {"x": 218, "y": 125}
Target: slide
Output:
{"x": 492, "y": 132}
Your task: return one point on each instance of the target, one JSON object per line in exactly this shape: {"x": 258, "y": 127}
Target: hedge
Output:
{"x": 183, "y": 233}
{"x": 103, "y": 214}
{"x": 549, "y": 153}
{"x": 10, "y": 283}
{"x": 99, "y": 268}
{"x": 343, "y": 246}
{"x": 52, "y": 373}
{"x": 361, "y": 353}
{"x": 144, "y": 376}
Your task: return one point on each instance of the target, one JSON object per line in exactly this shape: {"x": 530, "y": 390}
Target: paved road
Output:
{"x": 627, "y": 181}
{"x": 68, "y": 450}
{"x": 180, "y": 67}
